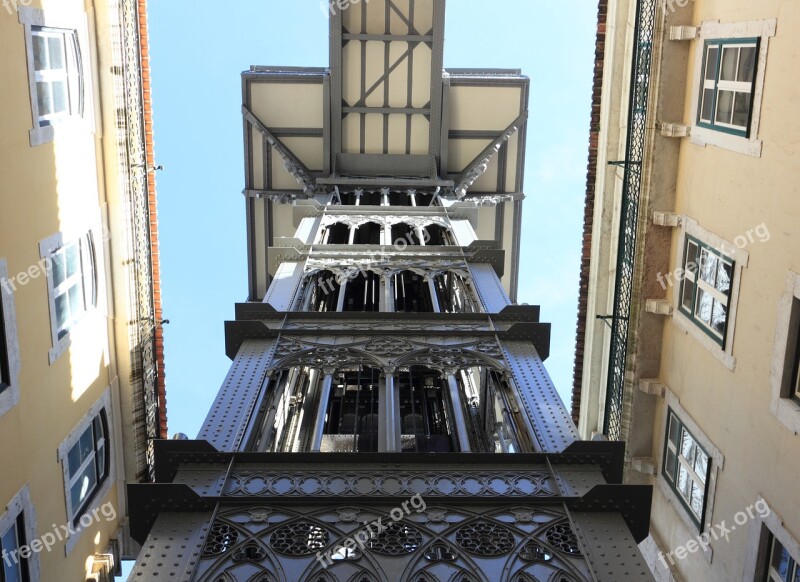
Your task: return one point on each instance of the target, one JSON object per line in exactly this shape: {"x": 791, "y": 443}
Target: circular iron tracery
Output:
{"x": 395, "y": 540}
{"x": 299, "y": 539}
{"x": 562, "y": 538}
{"x": 221, "y": 538}
{"x": 485, "y": 539}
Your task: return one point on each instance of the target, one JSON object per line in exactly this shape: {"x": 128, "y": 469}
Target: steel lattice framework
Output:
{"x": 629, "y": 215}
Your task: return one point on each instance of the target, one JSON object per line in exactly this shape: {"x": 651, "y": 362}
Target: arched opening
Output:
{"x": 348, "y": 198}
{"x": 437, "y": 236}
{"x": 423, "y": 198}
{"x": 399, "y": 199}
{"x": 362, "y": 292}
{"x": 321, "y": 292}
{"x": 426, "y": 413}
{"x": 368, "y": 233}
{"x": 404, "y": 234}
{"x": 411, "y": 293}
{"x": 454, "y": 294}
{"x": 336, "y": 234}
{"x": 351, "y": 419}
{"x": 371, "y": 199}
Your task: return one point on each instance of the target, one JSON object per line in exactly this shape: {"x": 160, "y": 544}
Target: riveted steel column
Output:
{"x": 322, "y": 409}
{"x": 434, "y": 298}
{"x": 386, "y": 297}
{"x": 458, "y": 414}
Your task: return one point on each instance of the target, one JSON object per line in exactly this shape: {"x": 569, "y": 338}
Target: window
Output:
{"x": 15, "y": 567}
{"x": 72, "y": 284}
{"x": 785, "y": 368}
{"x": 686, "y": 468}
{"x": 705, "y": 293}
{"x": 17, "y": 526}
{"x": 728, "y": 84}
{"x": 5, "y": 368}
{"x": 781, "y": 567}
{"x": 57, "y": 74}
{"x": 87, "y": 465}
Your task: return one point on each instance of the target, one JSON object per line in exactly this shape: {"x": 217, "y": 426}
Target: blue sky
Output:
{"x": 199, "y": 49}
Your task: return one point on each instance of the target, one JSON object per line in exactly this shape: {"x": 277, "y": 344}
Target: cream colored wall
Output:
{"x": 55, "y": 187}
{"x": 730, "y": 194}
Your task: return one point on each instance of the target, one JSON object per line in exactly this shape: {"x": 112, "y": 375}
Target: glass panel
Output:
{"x": 780, "y": 560}
{"x": 39, "y": 53}
{"x": 688, "y": 289}
{"x": 708, "y": 266}
{"x": 729, "y": 61}
{"x": 687, "y": 447}
{"x": 703, "y": 308}
{"x": 724, "y": 274}
{"x": 691, "y": 255}
{"x": 83, "y": 488}
{"x": 56, "y": 52}
{"x": 719, "y": 316}
{"x": 670, "y": 464}
{"x": 701, "y": 465}
{"x": 11, "y": 568}
{"x": 706, "y": 113}
{"x": 747, "y": 64}
{"x": 711, "y": 63}
{"x": 75, "y": 302}
{"x": 684, "y": 483}
{"x": 741, "y": 109}
{"x": 73, "y": 259}
{"x": 59, "y": 268}
{"x": 674, "y": 430}
{"x": 101, "y": 461}
{"x": 62, "y": 312}
{"x": 43, "y": 98}
{"x": 696, "y": 500}
{"x": 80, "y": 451}
{"x": 60, "y": 97}
{"x": 724, "y": 106}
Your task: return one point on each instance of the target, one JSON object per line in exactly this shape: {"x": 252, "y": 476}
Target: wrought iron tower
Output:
{"x": 387, "y": 416}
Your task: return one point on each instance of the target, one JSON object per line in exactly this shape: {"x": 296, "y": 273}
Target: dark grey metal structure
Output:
{"x": 387, "y": 415}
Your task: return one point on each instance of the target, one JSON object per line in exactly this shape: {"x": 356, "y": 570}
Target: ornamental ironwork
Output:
{"x": 300, "y": 538}
{"x": 643, "y": 34}
{"x": 562, "y": 538}
{"x": 484, "y": 538}
{"x": 221, "y": 539}
{"x": 396, "y": 539}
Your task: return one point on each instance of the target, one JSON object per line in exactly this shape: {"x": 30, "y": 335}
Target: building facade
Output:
{"x": 81, "y": 366}
{"x": 387, "y": 415}
{"x": 688, "y": 334}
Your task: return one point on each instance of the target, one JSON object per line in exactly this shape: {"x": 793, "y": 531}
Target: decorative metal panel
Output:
{"x": 551, "y": 424}
{"x": 392, "y": 544}
{"x": 284, "y": 286}
{"x": 227, "y": 420}
{"x": 490, "y": 290}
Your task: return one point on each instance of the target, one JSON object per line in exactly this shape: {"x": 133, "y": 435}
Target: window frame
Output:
{"x": 5, "y": 366}
{"x": 702, "y": 134}
{"x": 71, "y": 73}
{"x": 737, "y": 86}
{"x": 102, "y": 487}
{"x": 99, "y": 424}
{"x": 740, "y": 257}
{"x": 87, "y": 279}
{"x": 20, "y": 513}
{"x": 785, "y": 367}
{"x": 9, "y": 395}
{"x": 770, "y": 575}
{"x": 672, "y": 479}
{"x": 75, "y": 33}
{"x": 698, "y": 284}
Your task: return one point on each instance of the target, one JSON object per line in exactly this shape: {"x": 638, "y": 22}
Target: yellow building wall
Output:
{"x": 731, "y": 195}
{"x": 54, "y": 187}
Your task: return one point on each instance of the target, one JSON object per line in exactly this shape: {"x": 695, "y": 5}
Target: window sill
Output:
{"x": 701, "y": 136}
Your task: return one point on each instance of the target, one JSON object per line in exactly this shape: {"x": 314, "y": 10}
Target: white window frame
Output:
{"x": 102, "y": 404}
{"x": 716, "y": 464}
{"x": 21, "y": 503}
{"x": 740, "y": 258}
{"x": 74, "y": 30}
{"x": 9, "y": 397}
{"x": 88, "y": 278}
{"x": 715, "y": 30}
{"x": 69, "y": 73}
{"x": 717, "y": 84}
{"x": 784, "y": 356}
